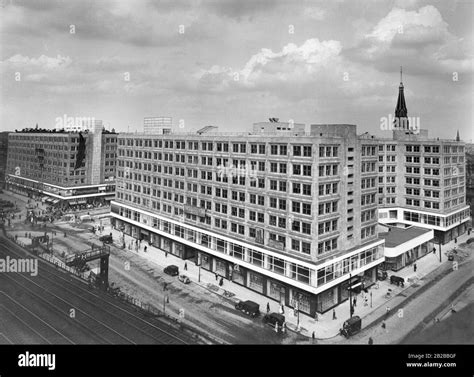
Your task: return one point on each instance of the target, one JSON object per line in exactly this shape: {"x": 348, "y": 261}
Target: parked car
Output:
{"x": 171, "y": 270}
{"x": 272, "y": 318}
{"x": 351, "y": 326}
{"x": 397, "y": 280}
{"x": 248, "y": 307}
{"x": 450, "y": 256}
{"x": 381, "y": 274}
{"x": 184, "y": 279}
{"x": 106, "y": 239}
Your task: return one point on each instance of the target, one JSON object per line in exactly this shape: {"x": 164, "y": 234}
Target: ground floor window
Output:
{"x": 238, "y": 276}
{"x": 221, "y": 268}
{"x": 302, "y": 301}
{"x": 205, "y": 261}
{"x": 327, "y": 299}
{"x": 276, "y": 291}
{"x": 256, "y": 282}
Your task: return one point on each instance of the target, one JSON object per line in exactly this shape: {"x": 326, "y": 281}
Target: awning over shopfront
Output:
{"x": 82, "y": 201}
{"x": 56, "y": 201}
{"x": 72, "y": 202}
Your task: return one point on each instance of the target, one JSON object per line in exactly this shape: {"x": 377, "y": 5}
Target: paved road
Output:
{"x": 440, "y": 294}
{"x": 55, "y": 308}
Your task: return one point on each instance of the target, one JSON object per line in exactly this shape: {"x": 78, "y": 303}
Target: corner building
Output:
{"x": 44, "y": 164}
{"x": 287, "y": 213}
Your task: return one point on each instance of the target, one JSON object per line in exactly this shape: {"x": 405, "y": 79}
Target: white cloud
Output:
{"x": 416, "y": 25}
{"x": 44, "y": 62}
{"x": 293, "y": 64}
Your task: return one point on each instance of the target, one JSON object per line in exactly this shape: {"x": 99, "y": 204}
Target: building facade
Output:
{"x": 422, "y": 181}
{"x": 3, "y": 157}
{"x": 291, "y": 215}
{"x": 65, "y": 168}
{"x": 157, "y": 125}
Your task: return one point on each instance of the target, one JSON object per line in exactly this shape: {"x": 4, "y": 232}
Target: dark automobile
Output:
{"x": 451, "y": 256}
{"x": 171, "y": 270}
{"x": 272, "y": 318}
{"x": 351, "y": 326}
{"x": 381, "y": 274}
{"x": 106, "y": 239}
{"x": 397, "y": 280}
{"x": 248, "y": 307}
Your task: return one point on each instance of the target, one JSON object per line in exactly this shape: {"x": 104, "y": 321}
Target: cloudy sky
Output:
{"x": 232, "y": 63}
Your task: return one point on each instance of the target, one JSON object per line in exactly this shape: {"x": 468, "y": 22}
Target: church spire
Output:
{"x": 401, "y": 113}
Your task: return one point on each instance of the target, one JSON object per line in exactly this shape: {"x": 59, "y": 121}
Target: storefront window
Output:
{"x": 256, "y": 282}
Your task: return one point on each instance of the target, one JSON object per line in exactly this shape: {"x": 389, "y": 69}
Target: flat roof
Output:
{"x": 397, "y": 236}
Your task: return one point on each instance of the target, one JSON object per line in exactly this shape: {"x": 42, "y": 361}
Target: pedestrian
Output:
{"x": 354, "y": 302}
{"x": 215, "y": 273}
{"x": 414, "y": 267}
{"x": 334, "y": 314}
{"x": 434, "y": 250}
{"x": 366, "y": 301}
{"x": 313, "y": 336}
{"x": 166, "y": 254}
{"x": 268, "y": 307}
{"x": 387, "y": 311}
{"x": 455, "y": 240}
{"x": 384, "y": 326}
{"x": 371, "y": 341}
{"x": 221, "y": 282}
{"x": 144, "y": 249}
{"x": 316, "y": 316}
{"x": 185, "y": 265}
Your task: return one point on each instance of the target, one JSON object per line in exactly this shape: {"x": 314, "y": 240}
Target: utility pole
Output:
{"x": 439, "y": 244}
{"x": 350, "y": 295}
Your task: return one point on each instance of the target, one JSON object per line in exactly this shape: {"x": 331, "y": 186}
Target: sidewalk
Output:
{"x": 325, "y": 327}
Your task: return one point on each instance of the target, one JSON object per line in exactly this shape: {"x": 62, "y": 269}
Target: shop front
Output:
{"x": 256, "y": 282}
{"x": 276, "y": 291}
{"x": 239, "y": 274}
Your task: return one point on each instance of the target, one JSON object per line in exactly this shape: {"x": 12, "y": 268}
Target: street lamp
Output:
{"x": 370, "y": 298}
{"x": 165, "y": 297}
{"x": 297, "y": 307}
{"x": 350, "y": 295}
{"x": 199, "y": 265}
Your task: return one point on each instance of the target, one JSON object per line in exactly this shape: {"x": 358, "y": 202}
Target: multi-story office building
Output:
{"x": 157, "y": 125}
{"x": 3, "y": 157}
{"x": 422, "y": 181}
{"x": 65, "y": 168}
{"x": 287, "y": 213}
{"x": 470, "y": 176}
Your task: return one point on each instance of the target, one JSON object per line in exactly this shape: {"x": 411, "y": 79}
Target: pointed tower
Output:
{"x": 457, "y": 137}
{"x": 401, "y": 113}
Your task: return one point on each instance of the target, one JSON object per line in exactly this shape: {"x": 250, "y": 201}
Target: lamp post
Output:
{"x": 370, "y": 298}
{"x": 165, "y": 285}
{"x": 439, "y": 245}
{"x": 297, "y": 307}
{"x": 350, "y": 295}
{"x": 199, "y": 265}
